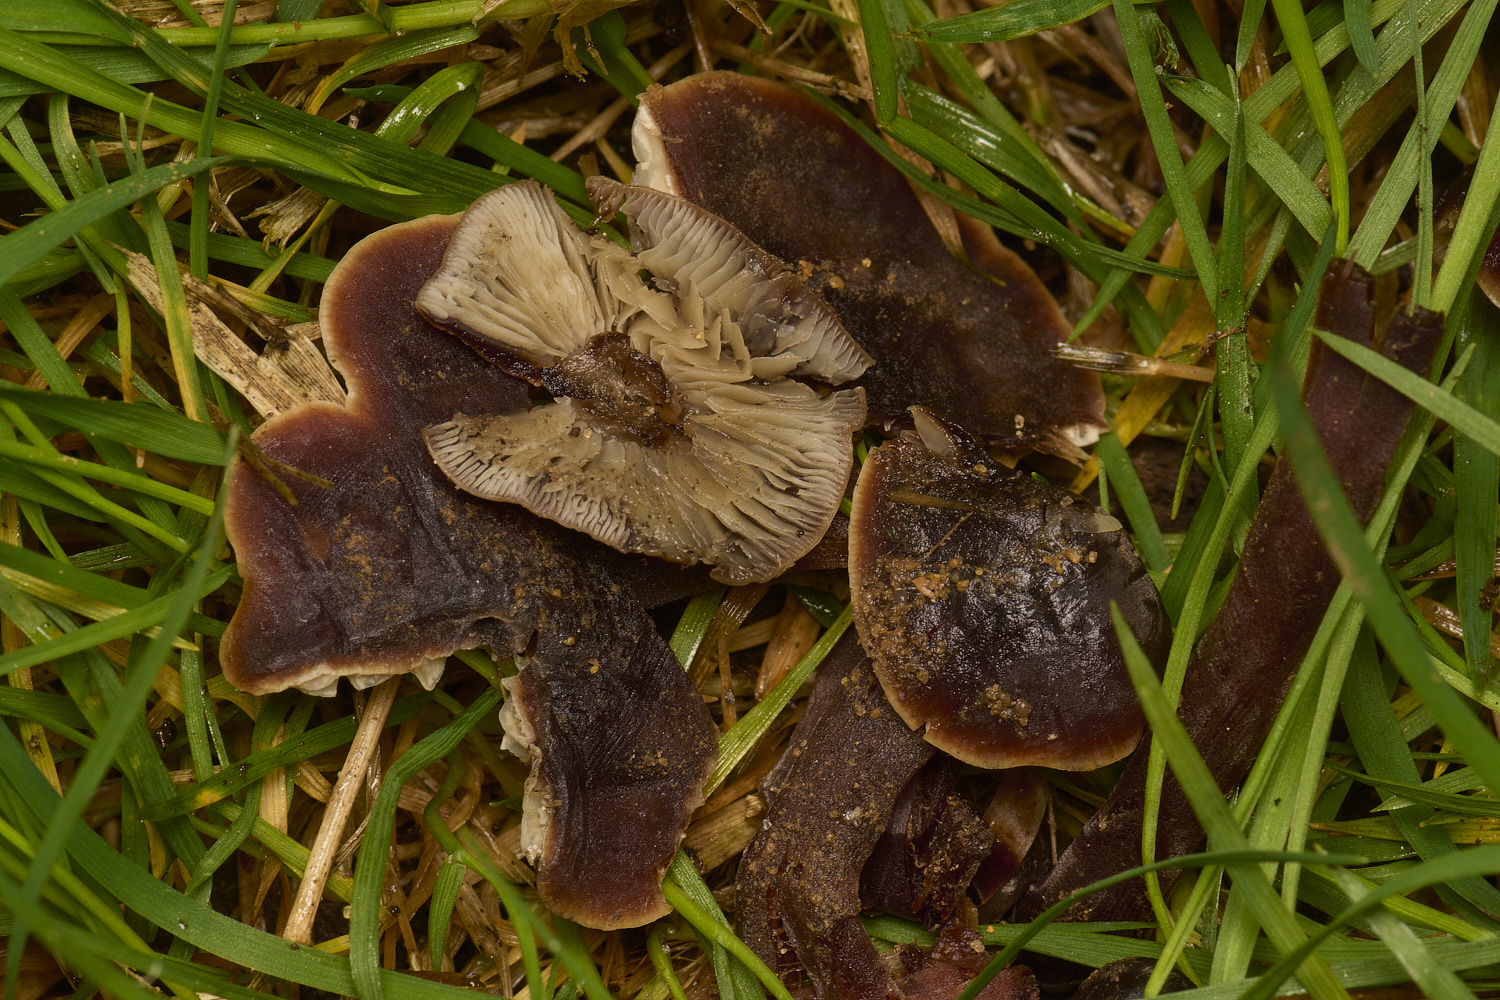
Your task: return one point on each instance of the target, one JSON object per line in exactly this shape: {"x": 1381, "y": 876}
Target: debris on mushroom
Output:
{"x": 954, "y": 960}
{"x": 394, "y": 568}
{"x": 678, "y": 427}
{"x": 828, "y": 799}
{"x": 1241, "y": 670}
{"x": 982, "y": 595}
{"x": 974, "y": 342}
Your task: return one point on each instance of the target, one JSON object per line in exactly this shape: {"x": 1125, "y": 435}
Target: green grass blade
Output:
{"x": 26, "y": 245}
{"x": 742, "y": 738}
{"x": 320, "y": 739}
{"x": 1475, "y": 227}
{"x": 1282, "y": 177}
{"x": 1213, "y": 812}
{"x": 1180, "y": 190}
{"x": 1371, "y": 584}
{"x": 1403, "y": 175}
{"x": 404, "y": 120}
{"x": 369, "y": 872}
{"x": 1123, "y": 478}
{"x": 1472, "y": 863}
{"x": 734, "y": 980}
{"x": 198, "y": 250}
{"x": 1482, "y": 430}
{"x": 158, "y": 431}
{"x": 1361, "y": 37}
{"x": 1315, "y": 93}
{"x": 1006, "y": 21}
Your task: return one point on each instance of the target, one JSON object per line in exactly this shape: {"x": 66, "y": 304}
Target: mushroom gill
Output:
{"x": 974, "y": 341}
{"x": 983, "y": 597}
{"x": 677, "y": 428}
{"x": 393, "y": 568}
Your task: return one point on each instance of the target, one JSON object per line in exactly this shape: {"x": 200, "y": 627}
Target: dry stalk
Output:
{"x": 351, "y": 780}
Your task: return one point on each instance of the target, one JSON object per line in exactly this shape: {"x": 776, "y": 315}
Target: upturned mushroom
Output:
{"x": 982, "y": 595}
{"x": 394, "y": 568}
{"x": 973, "y": 339}
{"x": 678, "y": 427}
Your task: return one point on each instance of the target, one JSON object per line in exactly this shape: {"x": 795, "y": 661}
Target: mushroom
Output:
{"x": 972, "y": 341}
{"x": 933, "y": 846}
{"x": 393, "y": 568}
{"x": 1241, "y": 670}
{"x": 828, "y": 800}
{"x": 1014, "y": 816}
{"x": 678, "y": 427}
{"x": 983, "y": 597}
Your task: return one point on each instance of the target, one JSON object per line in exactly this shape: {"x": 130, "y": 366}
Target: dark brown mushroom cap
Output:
{"x": 677, "y": 429}
{"x": 394, "y": 568}
{"x": 792, "y": 177}
{"x": 1126, "y": 979}
{"x": 620, "y": 755}
{"x": 983, "y": 597}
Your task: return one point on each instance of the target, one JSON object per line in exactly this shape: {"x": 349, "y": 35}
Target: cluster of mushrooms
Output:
{"x": 682, "y": 411}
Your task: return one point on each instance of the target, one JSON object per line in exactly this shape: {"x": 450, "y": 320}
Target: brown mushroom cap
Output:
{"x": 619, "y": 758}
{"x": 394, "y": 568}
{"x": 677, "y": 429}
{"x": 975, "y": 344}
{"x": 391, "y": 570}
{"x": 983, "y": 597}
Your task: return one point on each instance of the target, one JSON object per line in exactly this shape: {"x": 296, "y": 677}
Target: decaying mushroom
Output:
{"x": 982, "y": 595}
{"x": 393, "y": 568}
{"x": 1242, "y": 667}
{"x": 932, "y": 848}
{"x": 797, "y": 888}
{"x": 862, "y": 812}
{"x": 678, "y": 427}
{"x": 975, "y": 343}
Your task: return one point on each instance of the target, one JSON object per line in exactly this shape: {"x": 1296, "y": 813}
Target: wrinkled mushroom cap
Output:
{"x": 677, "y": 428}
{"x": 983, "y": 597}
